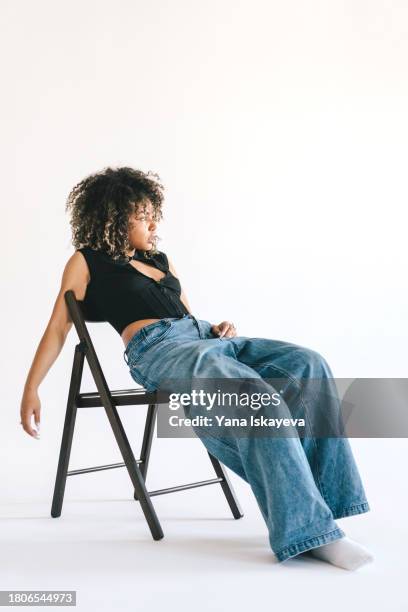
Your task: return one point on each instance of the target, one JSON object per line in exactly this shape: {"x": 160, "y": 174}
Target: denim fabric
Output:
{"x": 301, "y": 484}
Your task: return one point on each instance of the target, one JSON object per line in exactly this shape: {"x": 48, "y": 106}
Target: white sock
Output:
{"x": 345, "y": 553}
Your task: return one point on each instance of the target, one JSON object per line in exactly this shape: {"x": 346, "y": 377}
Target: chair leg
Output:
{"x": 143, "y": 495}
{"x": 226, "y": 487}
{"x": 147, "y": 440}
{"x": 69, "y": 424}
{"x": 132, "y": 468}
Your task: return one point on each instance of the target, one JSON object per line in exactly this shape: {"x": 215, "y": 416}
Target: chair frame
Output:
{"x": 110, "y": 400}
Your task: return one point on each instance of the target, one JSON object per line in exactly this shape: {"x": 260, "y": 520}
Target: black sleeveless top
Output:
{"x": 120, "y": 294}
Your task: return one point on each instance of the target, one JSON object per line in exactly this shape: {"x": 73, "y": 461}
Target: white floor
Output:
{"x": 101, "y": 546}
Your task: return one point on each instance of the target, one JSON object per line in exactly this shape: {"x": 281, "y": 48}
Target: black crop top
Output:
{"x": 120, "y": 294}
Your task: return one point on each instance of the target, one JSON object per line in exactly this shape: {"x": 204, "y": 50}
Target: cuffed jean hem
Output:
{"x": 295, "y": 549}
{"x": 354, "y": 509}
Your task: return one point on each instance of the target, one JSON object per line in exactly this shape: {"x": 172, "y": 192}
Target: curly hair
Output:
{"x": 101, "y": 203}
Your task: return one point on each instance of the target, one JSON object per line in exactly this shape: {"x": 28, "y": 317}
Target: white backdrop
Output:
{"x": 280, "y": 132}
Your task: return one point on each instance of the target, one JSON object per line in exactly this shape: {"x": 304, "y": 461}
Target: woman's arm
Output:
{"x": 183, "y": 296}
{"x": 75, "y": 277}
{"x": 225, "y": 328}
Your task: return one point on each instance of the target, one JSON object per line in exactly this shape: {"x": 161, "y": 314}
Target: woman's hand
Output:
{"x": 30, "y": 405}
{"x": 224, "y": 329}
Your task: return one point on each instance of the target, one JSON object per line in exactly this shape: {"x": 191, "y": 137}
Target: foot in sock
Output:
{"x": 344, "y": 553}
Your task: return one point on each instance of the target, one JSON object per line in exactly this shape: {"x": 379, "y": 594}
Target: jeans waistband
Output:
{"x": 183, "y": 316}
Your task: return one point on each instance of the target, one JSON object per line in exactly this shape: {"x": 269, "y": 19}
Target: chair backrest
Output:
{"x": 77, "y": 315}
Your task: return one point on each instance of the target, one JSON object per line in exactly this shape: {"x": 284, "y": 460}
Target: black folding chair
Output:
{"x": 109, "y": 400}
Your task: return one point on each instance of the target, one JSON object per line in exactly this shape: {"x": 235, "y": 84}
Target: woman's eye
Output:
{"x": 144, "y": 218}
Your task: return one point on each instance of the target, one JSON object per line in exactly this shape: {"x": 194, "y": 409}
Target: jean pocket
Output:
{"x": 150, "y": 335}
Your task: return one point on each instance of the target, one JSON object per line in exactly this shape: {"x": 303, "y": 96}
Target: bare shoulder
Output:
{"x": 75, "y": 277}
{"x": 78, "y": 264}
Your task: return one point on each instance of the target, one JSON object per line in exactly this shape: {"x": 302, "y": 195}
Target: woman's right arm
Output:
{"x": 76, "y": 277}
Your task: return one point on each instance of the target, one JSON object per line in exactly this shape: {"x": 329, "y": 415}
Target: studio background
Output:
{"x": 280, "y": 133}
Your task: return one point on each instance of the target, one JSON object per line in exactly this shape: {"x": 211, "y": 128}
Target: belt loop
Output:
{"x": 198, "y": 326}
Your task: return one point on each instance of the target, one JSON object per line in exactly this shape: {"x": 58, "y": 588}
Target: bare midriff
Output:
{"x": 130, "y": 330}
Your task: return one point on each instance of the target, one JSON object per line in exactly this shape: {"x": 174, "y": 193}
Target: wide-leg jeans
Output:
{"x": 301, "y": 484}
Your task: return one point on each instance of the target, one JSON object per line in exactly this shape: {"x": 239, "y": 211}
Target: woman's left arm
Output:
{"x": 225, "y": 328}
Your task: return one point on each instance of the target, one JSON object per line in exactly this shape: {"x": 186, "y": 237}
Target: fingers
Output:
{"x": 233, "y": 330}
{"x": 222, "y": 328}
{"x": 227, "y": 329}
{"x": 26, "y": 423}
{"x": 37, "y": 424}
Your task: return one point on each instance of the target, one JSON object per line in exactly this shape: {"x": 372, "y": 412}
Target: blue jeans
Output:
{"x": 301, "y": 484}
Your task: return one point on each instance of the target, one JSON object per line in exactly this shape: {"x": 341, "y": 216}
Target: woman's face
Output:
{"x": 142, "y": 228}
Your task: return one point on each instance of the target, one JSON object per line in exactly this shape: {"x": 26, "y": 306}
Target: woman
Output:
{"x": 301, "y": 484}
